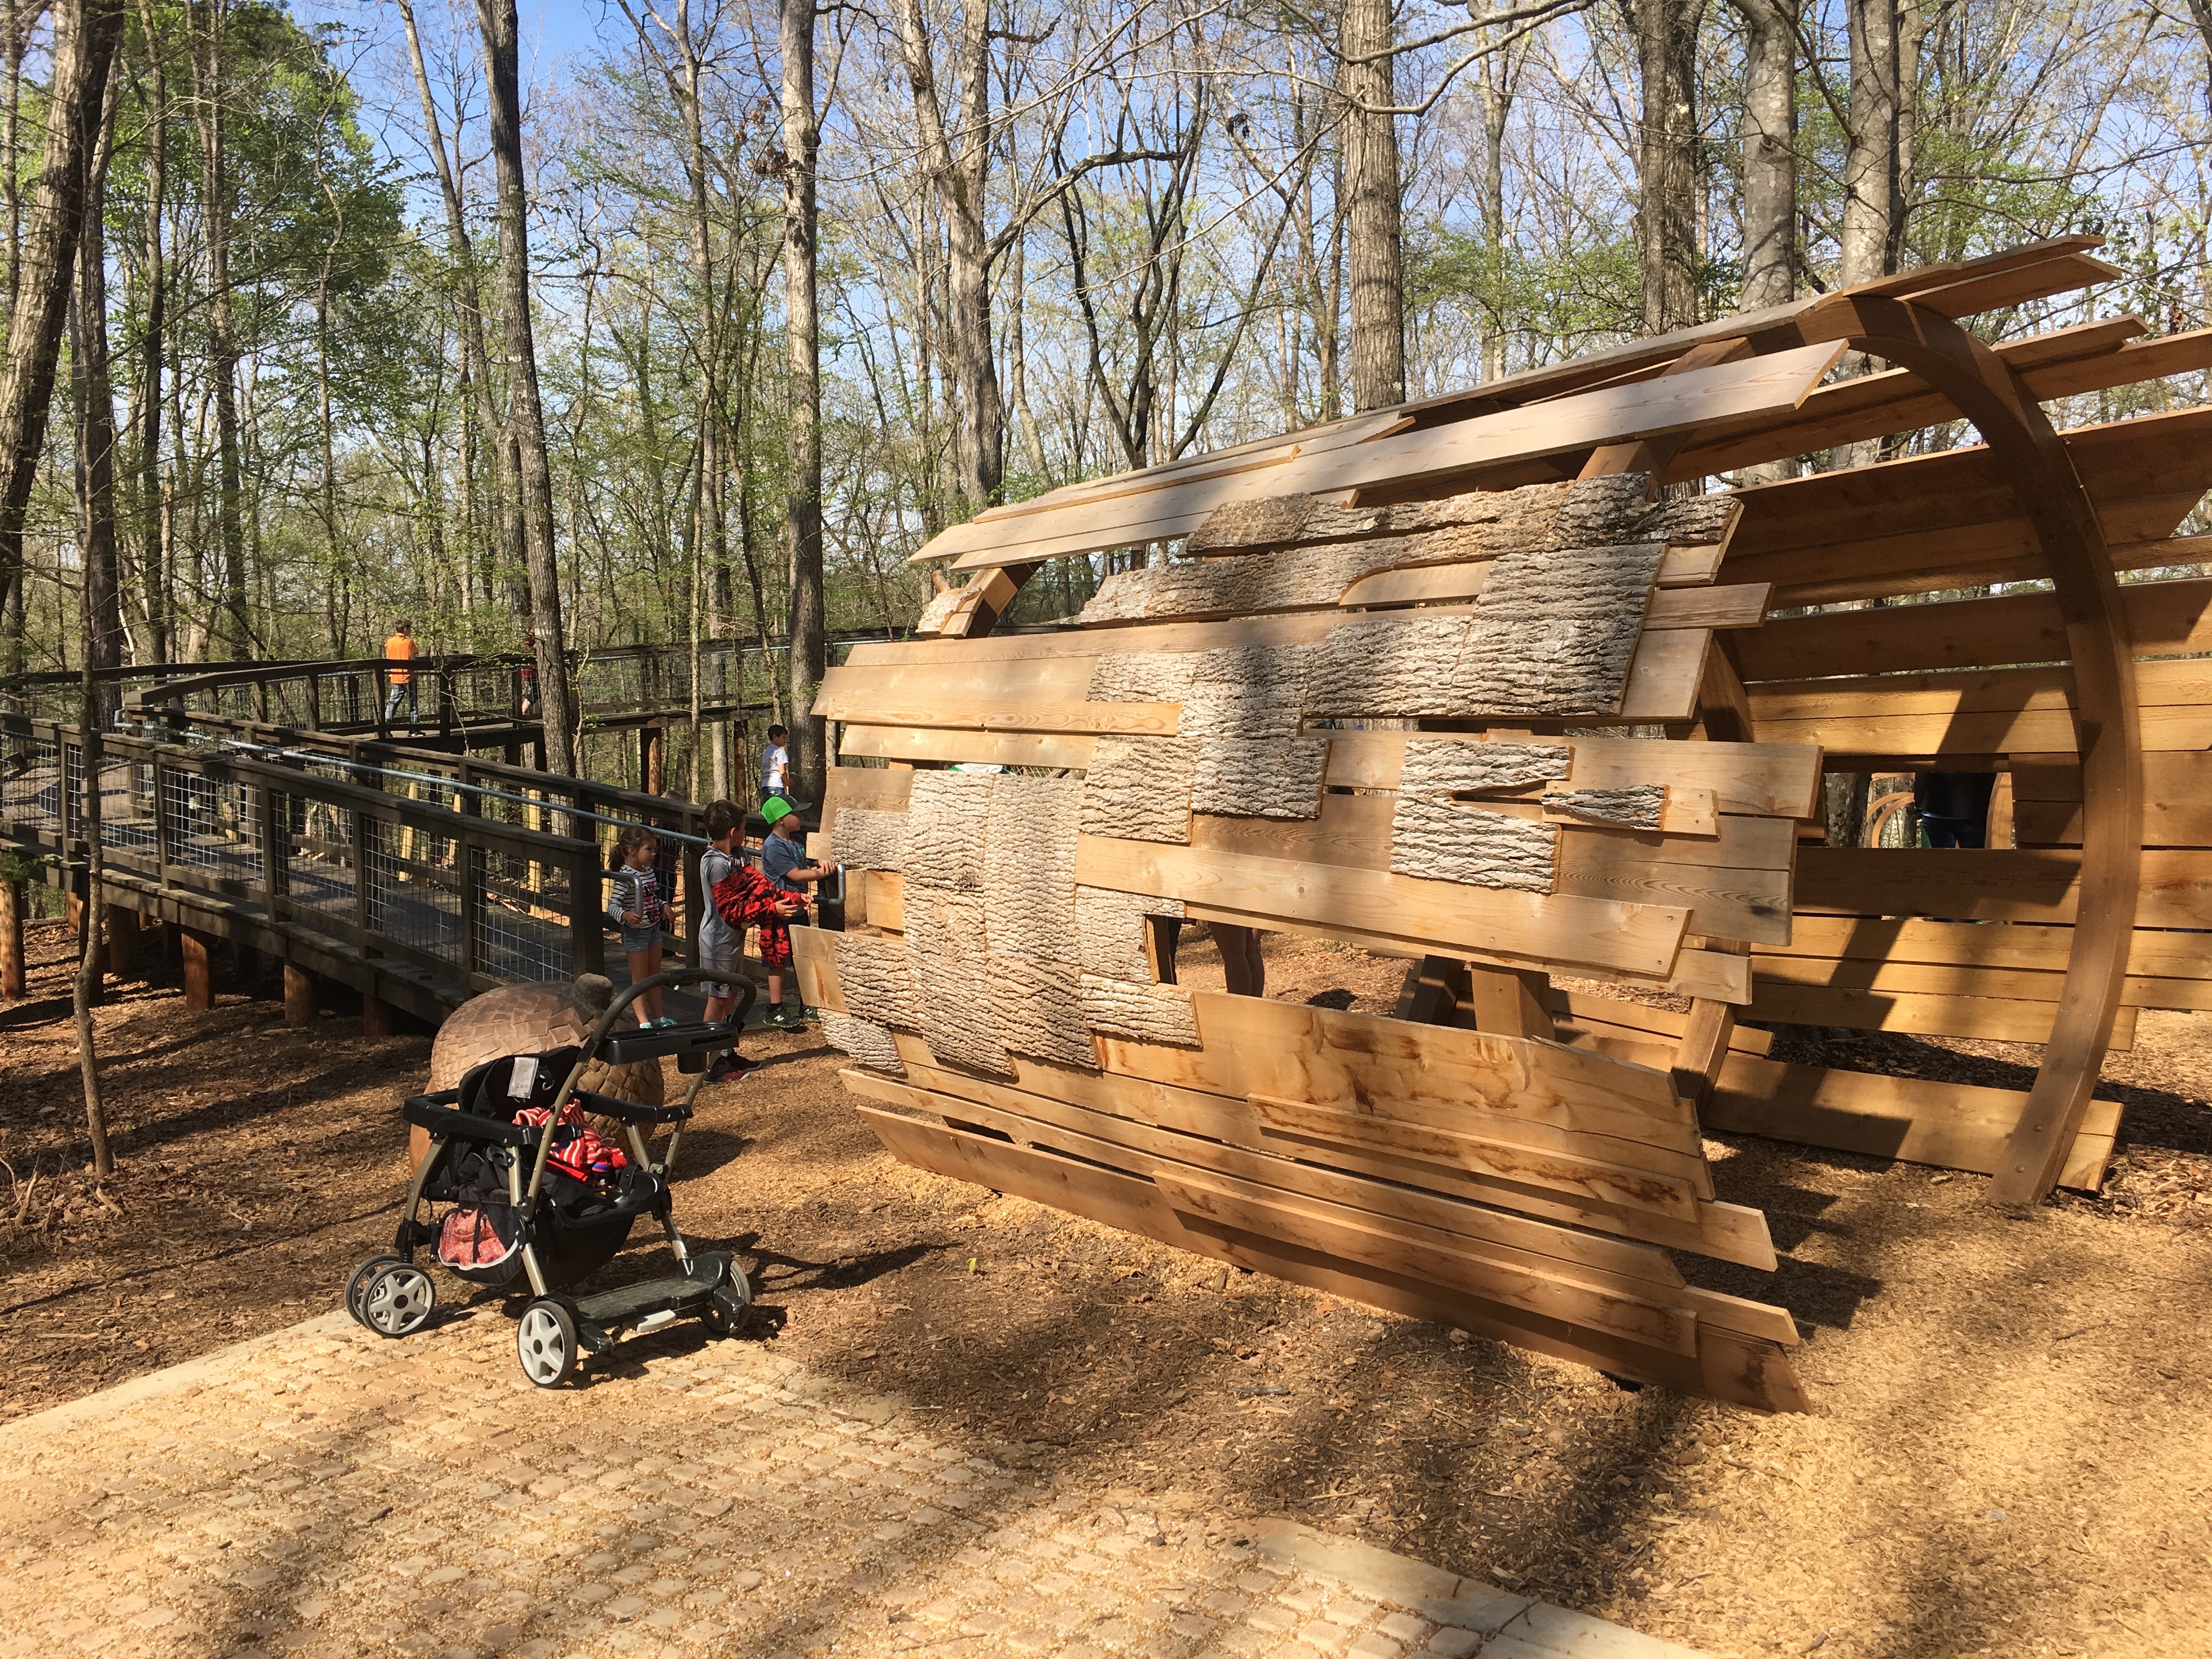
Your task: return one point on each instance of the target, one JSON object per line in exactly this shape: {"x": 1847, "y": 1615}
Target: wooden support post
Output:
{"x": 15, "y": 899}
{"x": 651, "y": 758}
{"x": 122, "y": 941}
{"x": 1510, "y": 1001}
{"x": 299, "y": 995}
{"x": 192, "y": 945}
{"x": 1703, "y": 1048}
{"x": 376, "y": 1017}
{"x": 1434, "y": 989}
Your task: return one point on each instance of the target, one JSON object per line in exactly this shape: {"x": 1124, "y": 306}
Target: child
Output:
{"x": 783, "y": 859}
{"x": 721, "y": 945}
{"x": 738, "y": 897}
{"x": 775, "y": 766}
{"x": 636, "y": 904}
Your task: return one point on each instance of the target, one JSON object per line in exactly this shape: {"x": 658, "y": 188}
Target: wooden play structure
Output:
{"x": 1479, "y": 683}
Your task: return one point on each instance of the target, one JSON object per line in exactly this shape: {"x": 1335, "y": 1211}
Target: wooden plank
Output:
{"x": 1663, "y": 677}
{"x": 1186, "y": 1129}
{"x": 2177, "y": 799}
{"x": 2155, "y": 954}
{"x": 1625, "y": 1186}
{"x": 1773, "y": 780}
{"x": 1695, "y": 972}
{"x": 1984, "y": 712}
{"x": 2088, "y": 357}
{"x": 1133, "y": 719}
{"x": 1963, "y": 980}
{"x": 1952, "y": 1126}
{"x": 1991, "y": 1020}
{"x": 1673, "y": 603}
{"x": 869, "y": 788}
{"x": 911, "y": 745}
{"x": 1127, "y": 1109}
{"x": 1641, "y": 938}
{"x": 1420, "y": 1254}
{"x": 1437, "y": 453}
{"x": 2163, "y": 617}
{"x": 2012, "y": 885}
{"x": 1729, "y": 1366}
{"x": 1477, "y": 1239}
{"x": 1664, "y": 1025}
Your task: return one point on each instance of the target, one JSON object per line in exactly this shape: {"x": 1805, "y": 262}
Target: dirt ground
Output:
{"x": 2010, "y": 1452}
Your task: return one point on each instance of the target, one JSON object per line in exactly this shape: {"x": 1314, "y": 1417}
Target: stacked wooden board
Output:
{"x": 1382, "y": 696}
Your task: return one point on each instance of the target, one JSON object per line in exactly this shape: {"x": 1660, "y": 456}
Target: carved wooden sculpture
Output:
{"x": 1497, "y": 580}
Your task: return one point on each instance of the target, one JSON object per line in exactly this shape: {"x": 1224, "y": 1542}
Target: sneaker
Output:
{"x": 731, "y": 1069}
{"x": 784, "y": 1019}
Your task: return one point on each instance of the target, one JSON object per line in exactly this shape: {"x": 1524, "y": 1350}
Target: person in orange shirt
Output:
{"x": 400, "y": 647}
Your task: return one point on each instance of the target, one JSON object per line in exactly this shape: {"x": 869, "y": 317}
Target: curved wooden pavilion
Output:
{"x": 1461, "y": 683}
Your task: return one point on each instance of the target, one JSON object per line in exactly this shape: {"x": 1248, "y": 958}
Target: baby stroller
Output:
{"x": 531, "y": 1192}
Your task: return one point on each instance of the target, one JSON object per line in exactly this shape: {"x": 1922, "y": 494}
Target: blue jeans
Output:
{"x": 400, "y": 688}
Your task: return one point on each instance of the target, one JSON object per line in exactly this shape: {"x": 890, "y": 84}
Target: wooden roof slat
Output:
{"x": 1778, "y": 384}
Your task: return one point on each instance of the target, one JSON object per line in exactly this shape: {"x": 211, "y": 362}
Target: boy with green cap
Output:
{"x": 783, "y": 861}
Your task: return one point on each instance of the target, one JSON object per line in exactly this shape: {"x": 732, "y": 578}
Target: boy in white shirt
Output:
{"x": 775, "y": 766}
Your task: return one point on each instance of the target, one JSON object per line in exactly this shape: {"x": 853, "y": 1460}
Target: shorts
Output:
{"x": 713, "y": 989}
{"x": 635, "y": 939}
{"x": 776, "y": 944}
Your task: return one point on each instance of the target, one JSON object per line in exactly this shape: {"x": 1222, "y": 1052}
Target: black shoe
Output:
{"x": 784, "y": 1019}
{"x": 731, "y": 1068}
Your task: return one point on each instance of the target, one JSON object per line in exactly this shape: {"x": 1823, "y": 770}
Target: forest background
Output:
{"x": 692, "y": 324}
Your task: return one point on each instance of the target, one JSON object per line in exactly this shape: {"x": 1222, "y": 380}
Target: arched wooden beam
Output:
{"x": 2035, "y": 463}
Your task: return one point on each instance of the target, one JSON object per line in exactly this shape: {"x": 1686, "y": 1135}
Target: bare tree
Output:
{"x": 802, "y": 143}
{"x": 1768, "y": 136}
{"x": 1667, "y": 169}
{"x": 1375, "y": 243}
{"x": 525, "y": 410}
{"x": 85, "y": 36}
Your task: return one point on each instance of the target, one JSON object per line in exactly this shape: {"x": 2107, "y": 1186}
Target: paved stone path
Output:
{"x": 324, "y": 1492}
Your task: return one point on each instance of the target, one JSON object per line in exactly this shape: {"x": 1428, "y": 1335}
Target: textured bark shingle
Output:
{"x": 1306, "y": 579}
{"x": 1571, "y": 584}
{"x": 865, "y": 1044}
{"x": 951, "y": 990}
{"x": 935, "y": 614}
{"x": 1386, "y": 667}
{"x": 946, "y": 815}
{"x": 1247, "y": 691}
{"x": 866, "y": 839}
{"x": 1634, "y": 806}
{"x": 1444, "y": 840}
{"x": 1278, "y": 778}
{"x": 1028, "y": 866}
{"x": 1138, "y": 1012}
{"x": 1142, "y": 677}
{"x": 1038, "y": 1009}
{"x": 1288, "y": 520}
{"x": 1602, "y": 510}
{"x": 1139, "y": 788}
{"x": 875, "y": 979}
{"x": 1525, "y": 668}
{"x": 1109, "y": 929}
{"x": 1434, "y": 766}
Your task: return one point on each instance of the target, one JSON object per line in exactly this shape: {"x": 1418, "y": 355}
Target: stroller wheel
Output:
{"x": 545, "y": 1342}
{"x": 359, "y": 1282}
{"x": 396, "y": 1300}
{"x": 727, "y": 1309}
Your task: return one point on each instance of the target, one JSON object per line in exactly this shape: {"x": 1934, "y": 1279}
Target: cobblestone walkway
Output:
{"x": 323, "y": 1491}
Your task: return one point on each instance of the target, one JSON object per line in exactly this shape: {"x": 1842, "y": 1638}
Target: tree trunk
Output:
{"x": 1374, "y": 251}
{"x": 155, "y": 570}
{"x": 1769, "y": 134}
{"x": 92, "y": 393}
{"x": 19, "y": 28}
{"x": 1667, "y": 161}
{"x": 959, "y": 179}
{"x": 1870, "y": 141}
{"x": 1494, "y": 86}
{"x": 85, "y": 35}
{"x": 526, "y": 416}
{"x": 802, "y": 139}
{"x": 216, "y": 207}
{"x": 476, "y": 353}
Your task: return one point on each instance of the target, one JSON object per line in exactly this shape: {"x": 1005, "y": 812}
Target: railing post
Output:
{"x": 163, "y": 828}
{"x": 364, "y": 827}
{"x": 475, "y": 861}
{"x": 314, "y": 703}
{"x": 276, "y": 841}
{"x": 587, "y": 945}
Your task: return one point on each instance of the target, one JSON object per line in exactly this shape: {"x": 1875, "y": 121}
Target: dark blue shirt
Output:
{"x": 780, "y": 856}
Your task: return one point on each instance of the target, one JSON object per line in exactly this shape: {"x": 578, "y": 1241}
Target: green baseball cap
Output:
{"x": 775, "y": 811}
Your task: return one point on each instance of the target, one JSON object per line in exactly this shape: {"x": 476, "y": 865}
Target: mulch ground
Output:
{"x": 2008, "y": 1454}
